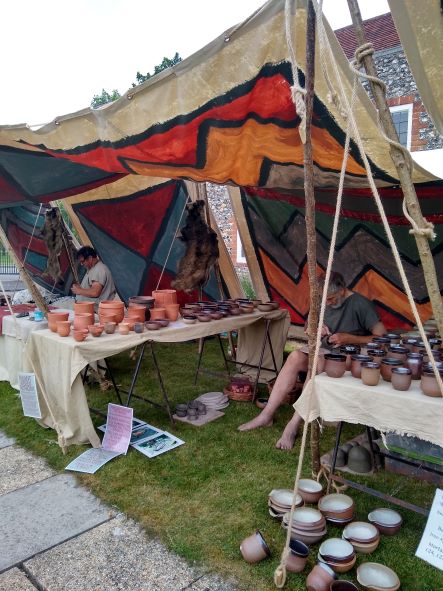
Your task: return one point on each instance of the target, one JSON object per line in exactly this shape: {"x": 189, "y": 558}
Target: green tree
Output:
{"x": 106, "y": 97}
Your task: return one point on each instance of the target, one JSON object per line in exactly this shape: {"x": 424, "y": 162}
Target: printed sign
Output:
{"x": 430, "y": 548}
{"x": 29, "y": 396}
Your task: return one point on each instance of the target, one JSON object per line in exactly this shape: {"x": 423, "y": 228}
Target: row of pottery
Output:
{"x": 192, "y": 410}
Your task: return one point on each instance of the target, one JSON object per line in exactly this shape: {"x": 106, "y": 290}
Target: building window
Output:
{"x": 241, "y": 257}
{"x": 402, "y": 118}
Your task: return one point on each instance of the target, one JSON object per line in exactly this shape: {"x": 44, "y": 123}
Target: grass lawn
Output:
{"x": 204, "y": 497}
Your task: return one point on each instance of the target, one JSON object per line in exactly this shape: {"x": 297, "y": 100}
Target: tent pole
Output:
{"x": 403, "y": 172}
{"x": 311, "y": 239}
{"x": 38, "y": 298}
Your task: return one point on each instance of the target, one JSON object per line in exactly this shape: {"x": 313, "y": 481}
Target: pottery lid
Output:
{"x": 402, "y": 371}
{"x": 371, "y": 364}
{"x": 391, "y": 361}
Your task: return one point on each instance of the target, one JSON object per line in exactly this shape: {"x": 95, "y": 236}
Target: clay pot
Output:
{"x": 370, "y": 373}
{"x": 95, "y": 329}
{"x": 359, "y": 460}
{"x": 429, "y": 384}
{"x": 377, "y": 354}
{"x": 298, "y": 556}
{"x": 408, "y": 343}
{"x": 137, "y": 313}
{"x": 356, "y": 362}
{"x": 349, "y": 350}
{"x": 342, "y": 586}
{"x": 386, "y": 366}
{"x": 157, "y": 313}
{"x": 435, "y": 343}
{"x": 335, "y": 365}
{"x": 436, "y": 354}
{"x": 393, "y": 337}
{"x": 110, "y": 327}
{"x": 114, "y": 307}
{"x": 383, "y": 341}
{"x": 310, "y": 490}
{"x": 254, "y": 548}
{"x": 172, "y": 311}
{"x": 107, "y": 317}
{"x": 63, "y": 328}
{"x": 84, "y": 308}
{"x": 54, "y": 317}
{"x": 123, "y": 328}
{"x": 79, "y": 335}
{"x": 398, "y": 352}
{"x": 83, "y": 320}
{"x": 146, "y": 301}
{"x": 163, "y": 297}
{"x": 139, "y": 327}
{"x": 153, "y": 325}
{"x": 401, "y": 378}
{"x": 320, "y": 577}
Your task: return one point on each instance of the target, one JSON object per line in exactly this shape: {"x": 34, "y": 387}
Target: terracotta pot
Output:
{"x": 386, "y": 366}
{"x": 172, "y": 311}
{"x": 320, "y": 577}
{"x": 146, "y": 301}
{"x": 253, "y": 548}
{"x": 63, "y": 328}
{"x": 96, "y": 329}
{"x": 356, "y": 362}
{"x": 393, "y": 337}
{"x": 158, "y": 313}
{"x": 408, "y": 342}
{"x": 79, "y": 335}
{"x": 83, "y": 320}
{"x": 137, "y": 313}
{"x": 107, "y": 317}
{"x": 54, "y": 317}
{"x": 84, "y": 308}
{"x": 370, "y": 373}
{"x": 335, "y": 365}
{"x": 401, "y": 378}
{"x": 114, "y": 307}
{"x": 123, "y": 328}
{"x": 163, "y": 297}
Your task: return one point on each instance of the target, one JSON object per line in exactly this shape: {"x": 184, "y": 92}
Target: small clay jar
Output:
{"x": 386, "y": 366}
{"x": 408, "y": 342}
{"x": 368, "y": 346}
{"x": 393, "y": 337}
{"x": 157, "y": 313}
{"x": 95, "y": 329}
{"x": 349, "y": 350}
{"x": 172, "y": 311}
{"x": 335, "y": 365}
{"x": 110, "y": 327}
{"x": 398, "y": 352}
{"x": 79, "y": 335}
{"x": 435, "y": 343}
{"x": 370, "y": 373}
{"x": 382, "y": 342}
{"x": 357, "y": 360}
{"x": 377, "y": 354}
{"x": 401, "y": 378}
{"x": 419, "y": 347}
{"x": 254, "y": 548}
{"x": 63, "y": 328}
{"x": 123, "y": 328}
{"x": 192, "y": 414}
{"x": 181, "y": 410}
{"x": 320, "y": 577}
{"x": 84, "y": 308}
{"x": 298, "y": 556}
{"x": 429, "y": 384}
{"x": 139, "y": 327}
{"x": 414, "y": 362}
{"x": 436, "y": 354}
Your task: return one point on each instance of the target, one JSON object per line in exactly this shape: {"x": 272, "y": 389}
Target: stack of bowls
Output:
{"x": 337, "y": 508}
{"x": 310, "y": 490}
{"x": 308, "y": 525}
{"x": 363, "y": 536}
{"x": 387, "y": 521}
{"x": 280, "y": 502}
{"x": 377, "y": 577}
{"x": 214, "y": 400}
{"x": 338, "y": 554}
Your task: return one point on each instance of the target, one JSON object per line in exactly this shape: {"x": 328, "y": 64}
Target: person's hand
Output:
{"x": 75, "y": 288}
{"x": 341, "y": 338}
{"x": 325, "y": 331}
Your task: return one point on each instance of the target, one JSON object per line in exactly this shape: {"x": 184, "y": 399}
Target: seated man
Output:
{"x": 350, "y": 318}
{"x": 97, "y": 284}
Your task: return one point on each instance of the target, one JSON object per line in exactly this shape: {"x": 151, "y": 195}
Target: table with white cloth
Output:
{"x": 57, "y": 363}
{"x": 347, "y": 399}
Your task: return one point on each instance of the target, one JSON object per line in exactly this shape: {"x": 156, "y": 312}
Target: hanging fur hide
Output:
{"x": 201, "y": 250}
{"x": 52, "y": 234}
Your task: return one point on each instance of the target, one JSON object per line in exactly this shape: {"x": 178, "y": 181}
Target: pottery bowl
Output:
{"x": 307, "y": 518}
{"x": 366, "y": 548}
{"x": 387, "y": 521}
{"x": 310, "y": 490}
{"x": 235, "y": 311}
{"x": 342, "y": 567}
{"x": 246, "y": 308}
{"x": 261, "y": 402}
{"x": 139, "y": 327}
{"x": 377, "y": 577}
{"x": 254, "y": 548}
{"x": 309, "y": 538}
{"x": 359, "y": 460}
{"x": 264, "y": 307}
{"x": 361, "y": 532}
{"x": 336, "y": 550}
{"x": 96, "y": 329}
{"x": 337, "y": 506}
{"x": 151, "y": 325}
{"x": 203, "y": 317}
{"x": 189, "y": 319}
{"x": 255, "y": 303}
{"x": 216, "y": 315}
{"x": 79, "y": 335}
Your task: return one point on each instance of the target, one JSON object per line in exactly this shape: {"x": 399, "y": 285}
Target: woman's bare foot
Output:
{"x": 289, "y": 434}
{"x": 260, "y": 421}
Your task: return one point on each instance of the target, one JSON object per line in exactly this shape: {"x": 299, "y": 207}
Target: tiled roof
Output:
{"x": 380, "y": 31}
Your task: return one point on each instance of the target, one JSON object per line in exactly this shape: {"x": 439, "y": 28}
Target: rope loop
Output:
{"x": 427, "y": 231}
{"x": 362, "y": 52}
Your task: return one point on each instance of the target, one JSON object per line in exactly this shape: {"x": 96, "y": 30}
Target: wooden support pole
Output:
{"x": 311, "y": 240}
{"x": 403, "y": 172}
{"x": 37, "y": 296}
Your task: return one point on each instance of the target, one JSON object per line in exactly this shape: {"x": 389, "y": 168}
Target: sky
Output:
{"x": 58, "y": 54}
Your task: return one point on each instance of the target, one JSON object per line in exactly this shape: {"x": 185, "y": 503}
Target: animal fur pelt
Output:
{"x": 52, "y": 234}
{"x": 201, "y": 250}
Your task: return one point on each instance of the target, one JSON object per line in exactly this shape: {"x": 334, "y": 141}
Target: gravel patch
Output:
{"x": 15, "y": 580}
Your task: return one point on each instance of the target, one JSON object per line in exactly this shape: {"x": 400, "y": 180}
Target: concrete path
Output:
{"x": 56, "y": 536}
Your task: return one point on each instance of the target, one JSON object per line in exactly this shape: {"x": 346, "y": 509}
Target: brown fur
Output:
{"x": 52, "y": 234}
{"x": 201, "y": 250}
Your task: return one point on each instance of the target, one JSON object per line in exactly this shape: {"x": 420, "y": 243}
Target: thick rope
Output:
{"x": 298, "y": 93}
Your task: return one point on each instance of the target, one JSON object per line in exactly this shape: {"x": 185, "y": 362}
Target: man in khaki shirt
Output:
{"x": 97, "y": 284}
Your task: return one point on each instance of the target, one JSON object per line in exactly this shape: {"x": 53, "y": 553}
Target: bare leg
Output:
{"x": 289, "y": 434}
{"x": 285, "y": 382}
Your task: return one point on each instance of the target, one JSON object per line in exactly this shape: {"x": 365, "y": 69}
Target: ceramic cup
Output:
{"x": 370, "y": 373}
{"x": 110, "y": 327}
{"x": 401, "y": 378}
{"x": 298, "y": 556}
{"x": 320, "y": 578}
{"x": 356, "y": 362}
{"x": 335, "y": 365}
{"x": 139, "y": 327}
{"x": 254, "y": 548}
{"x": 414, "y": 361}
{"x": 386, "y": 367}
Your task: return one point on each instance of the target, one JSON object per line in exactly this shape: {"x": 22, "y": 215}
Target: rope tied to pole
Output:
{"x": 427, "y": 231}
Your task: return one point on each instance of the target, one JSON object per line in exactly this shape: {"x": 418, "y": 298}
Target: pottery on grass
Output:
{"x": 310, "y": 490}
{"x": 254, "y": 548}
{"x": 320, "y": 577}
{"x": 359, "y": 460}
{"x": 298, "y": 556}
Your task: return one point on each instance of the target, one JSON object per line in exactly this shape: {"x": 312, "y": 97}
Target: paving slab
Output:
{"x": 117, "y": 555}
{"x": 20, "y": 468}
{"x": 5, "y": 441}
{"x": 44, "y": 514}
{"x": 212, "y": 583}
{"x": 15, "y": 580}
